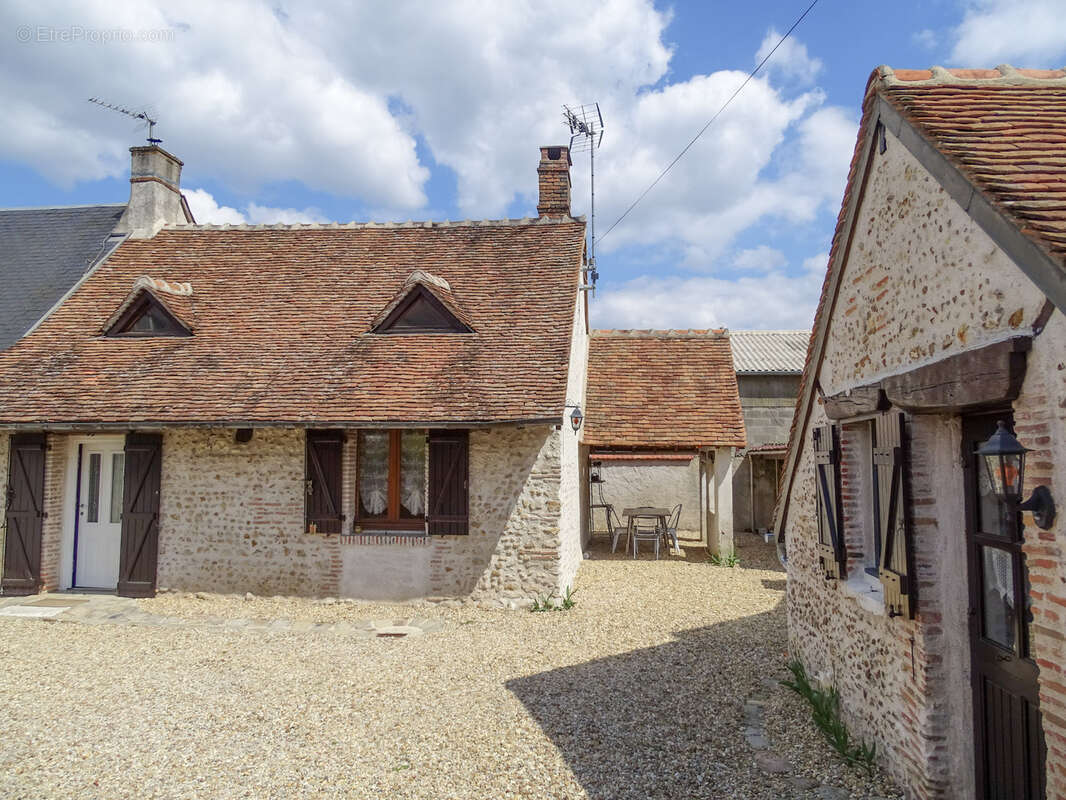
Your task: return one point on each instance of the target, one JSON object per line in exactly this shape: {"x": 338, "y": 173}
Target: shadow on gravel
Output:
{"x": 665, "y": 721}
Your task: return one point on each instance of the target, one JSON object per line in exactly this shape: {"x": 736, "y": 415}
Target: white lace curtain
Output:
{"x": 413, "y": 473}
{"x": 374, "y": 472}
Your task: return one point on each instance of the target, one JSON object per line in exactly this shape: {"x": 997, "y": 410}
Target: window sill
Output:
{"x": 406, "y": 538}
{"x": 869, "y": 593}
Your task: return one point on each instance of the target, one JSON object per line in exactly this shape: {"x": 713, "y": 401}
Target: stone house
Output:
{"x": 916, "y": 588}
{"x": 768, "y": 366}
{"x": 379, "y": 411}
{"x": 663, "y": 422}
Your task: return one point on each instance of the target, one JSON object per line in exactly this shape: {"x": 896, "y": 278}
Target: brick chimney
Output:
{"x": 553, "y": 175}
{"x": 155, "y": 193}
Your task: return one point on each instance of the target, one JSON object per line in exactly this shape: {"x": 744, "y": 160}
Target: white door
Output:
{"x": 99, "y": 535}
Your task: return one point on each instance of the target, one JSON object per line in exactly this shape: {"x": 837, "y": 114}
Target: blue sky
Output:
{"x": 435, "y": 111}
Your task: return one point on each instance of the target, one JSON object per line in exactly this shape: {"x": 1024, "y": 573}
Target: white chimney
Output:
{"x": 155, "y": 193}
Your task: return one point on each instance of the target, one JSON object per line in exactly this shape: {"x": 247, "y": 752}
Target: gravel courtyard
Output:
{"x": 637, "y": 692}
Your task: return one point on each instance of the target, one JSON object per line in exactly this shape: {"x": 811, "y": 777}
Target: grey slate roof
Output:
{"x": 43, "y": 253}
{"x": 769, "y": 352}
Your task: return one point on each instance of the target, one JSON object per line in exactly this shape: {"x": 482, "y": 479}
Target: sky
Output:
{"x": 293, "y": 112}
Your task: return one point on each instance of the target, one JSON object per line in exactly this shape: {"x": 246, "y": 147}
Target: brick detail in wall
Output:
{"x": 890, "y": 672}
{"x": 553, "y": 177}
{"x": 232, "y": 520}
{"x": 55, "y": 474}
{"x": 1036, "y": 422}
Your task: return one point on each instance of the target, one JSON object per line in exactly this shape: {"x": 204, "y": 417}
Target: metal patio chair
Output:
{"x": 646, "y": 532}
{"x": 671, "y": 527}
{"x": 618, "y": 530}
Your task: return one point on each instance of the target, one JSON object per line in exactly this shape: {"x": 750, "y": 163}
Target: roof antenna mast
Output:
{"x": 141, "y": 115}
{"x": 586, "y": 133}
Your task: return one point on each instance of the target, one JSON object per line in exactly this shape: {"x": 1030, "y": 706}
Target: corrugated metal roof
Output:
{"x": 46, "y": 251}
{"x": 773, "y": 352}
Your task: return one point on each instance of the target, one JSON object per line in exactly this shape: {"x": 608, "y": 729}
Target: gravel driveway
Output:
{"x": 637, "y": 692}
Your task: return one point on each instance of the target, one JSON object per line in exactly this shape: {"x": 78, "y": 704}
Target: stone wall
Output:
{"x": 924, "y": 282}
{"x": 232, "y": 520}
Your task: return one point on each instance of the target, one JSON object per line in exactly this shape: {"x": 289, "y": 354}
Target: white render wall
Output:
{"x": 570, "y": 483}
{"x": 651, "y": 483}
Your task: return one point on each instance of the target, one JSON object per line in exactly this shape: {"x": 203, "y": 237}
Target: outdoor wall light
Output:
{"x": 576, "y": 417}
{"x": 1004, "y": 459}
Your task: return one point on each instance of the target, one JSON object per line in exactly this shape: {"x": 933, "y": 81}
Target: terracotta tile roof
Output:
{"x": 1005, "y": 128}
{"x": 177, "y": 297}
{"x": 769, "y": 352}
{"x": 282, "y": 315}
{"x": 662, "y": 389}
{"x": 1002, "y": 127}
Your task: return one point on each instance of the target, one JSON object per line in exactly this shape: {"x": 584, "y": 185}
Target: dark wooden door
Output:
{"x": 1008, "y": 736}
{"x": 24, "y": 515}
{"x": 140, "y": 515}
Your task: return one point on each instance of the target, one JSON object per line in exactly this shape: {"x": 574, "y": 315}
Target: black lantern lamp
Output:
{"x": 576, "y": 418}
{"x": 1004, "y": 459}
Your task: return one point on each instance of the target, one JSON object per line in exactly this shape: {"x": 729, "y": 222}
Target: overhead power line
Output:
{"x": 710, "y": 122}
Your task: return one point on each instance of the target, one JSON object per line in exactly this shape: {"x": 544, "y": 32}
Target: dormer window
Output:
{"x": 424, "y": 305}
{"x": 147, "y": 312}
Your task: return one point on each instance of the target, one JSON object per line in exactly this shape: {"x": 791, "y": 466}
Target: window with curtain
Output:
{"x": 392, "y": 479}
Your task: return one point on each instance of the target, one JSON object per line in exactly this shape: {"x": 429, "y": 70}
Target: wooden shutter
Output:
{"x": 448, "y": 509}
{"x": 325, "y": 477}
{"x": 890, "y": 478}
{"x": 831, "y": 551}
{"x": 24, "y": 516}
{"x": 140, "y": 515}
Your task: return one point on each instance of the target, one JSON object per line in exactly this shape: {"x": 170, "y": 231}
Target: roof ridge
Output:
{"x": 750, "y": 331}
{"x": 671, "y": 333}
{"x": 304, "y": 226}
{"x": 1002, "y": 75}
{"x": 64, "y": 208}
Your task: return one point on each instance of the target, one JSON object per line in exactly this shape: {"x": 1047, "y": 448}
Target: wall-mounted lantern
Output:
{"x": 576, "y": 418}
{"x": 1004, "y": 458}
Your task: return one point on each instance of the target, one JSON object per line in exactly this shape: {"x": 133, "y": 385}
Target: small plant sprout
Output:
{"x": 722, "y": 560}
{"x": 552, "y": 603}
{"x": 825, "y": 709}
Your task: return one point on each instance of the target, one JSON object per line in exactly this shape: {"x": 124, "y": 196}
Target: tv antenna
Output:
{"x": 586, "y": 133}
{"x": 141, "y": 115}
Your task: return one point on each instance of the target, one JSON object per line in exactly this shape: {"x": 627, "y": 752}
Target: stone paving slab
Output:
{"x": 104, "y": 609}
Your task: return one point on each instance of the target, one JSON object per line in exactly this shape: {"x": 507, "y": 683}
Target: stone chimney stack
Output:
{"x": 155, "y": 193}
{"x": 554, "y": 177}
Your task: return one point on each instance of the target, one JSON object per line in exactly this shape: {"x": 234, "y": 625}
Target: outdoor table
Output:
{"x": 660, "y": 516}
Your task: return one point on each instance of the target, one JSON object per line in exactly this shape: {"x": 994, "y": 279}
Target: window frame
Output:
{"x": 392, "y": 521}
{"x": 137, "y": 309}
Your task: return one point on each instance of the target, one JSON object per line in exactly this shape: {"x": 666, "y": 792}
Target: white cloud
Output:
{"x": 205, "y": 209}
{"x": 239, "y": 96}
{"x": 759, "y": 259}
{"x": 791, "y": 59}
{"x": 1026, "y": 33}
{"x": 357, "y": 100}
{"x": 774, "y": 301}
{"x": 925, "y": 38}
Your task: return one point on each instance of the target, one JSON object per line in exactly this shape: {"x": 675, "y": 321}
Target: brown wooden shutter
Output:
{"x": 140, "y": 515}
{"x": 24, "y": 516}
{"x": 448, "y": 509}
{"x": 325, "y": 477}
{"x": 892, "y": 531}
{"x": 831, "y": 550}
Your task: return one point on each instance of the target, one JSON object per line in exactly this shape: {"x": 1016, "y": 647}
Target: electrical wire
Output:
{"x": 710, "y": 122}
